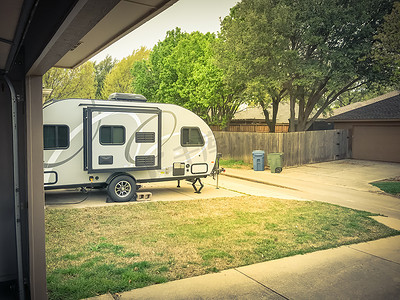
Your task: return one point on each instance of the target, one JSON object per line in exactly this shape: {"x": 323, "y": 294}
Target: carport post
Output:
{"x": 35, "y": 192}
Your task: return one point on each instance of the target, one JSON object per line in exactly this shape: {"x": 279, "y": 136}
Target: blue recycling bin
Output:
{"x": 258, "y": 160}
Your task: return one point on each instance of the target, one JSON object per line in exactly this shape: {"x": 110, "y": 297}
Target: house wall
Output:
{"x": 27, "y": 240}
{"x": 378, "y": 140}
{"x": 8, "y": 258}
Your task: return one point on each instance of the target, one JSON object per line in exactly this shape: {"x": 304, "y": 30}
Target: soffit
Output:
{"x": 121, "y": 20}
{"x": 83, "y": 29}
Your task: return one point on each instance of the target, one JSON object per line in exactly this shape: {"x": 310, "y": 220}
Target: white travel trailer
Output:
{"x": 123, "y": 141}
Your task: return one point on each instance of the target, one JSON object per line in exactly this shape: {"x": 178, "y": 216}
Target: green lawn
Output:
{"x": 117, "y": 248}
{"x": 236, "y": 164}
{"x": 390, "y": 187}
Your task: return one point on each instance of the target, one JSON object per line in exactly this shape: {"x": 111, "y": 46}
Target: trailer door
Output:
{"x": 122, "y": 139}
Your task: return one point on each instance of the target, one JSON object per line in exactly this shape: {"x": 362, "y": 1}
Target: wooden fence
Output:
{"x": 252, "y": 128}
{"x": 298, "y": 147}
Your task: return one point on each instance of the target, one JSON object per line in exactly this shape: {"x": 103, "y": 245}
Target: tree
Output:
{"x": 101, "y": 71}
{"x": 154, "y": 78}
{"x": 249, "y": 60}
{"x": 66, "y": 83}
{"x": 363, "y": 93}
{"x": 311, "y": 51}
{"x": 120, "y": 78}
{"x": 181, "y": 70}
{"x": 387, "y": 48}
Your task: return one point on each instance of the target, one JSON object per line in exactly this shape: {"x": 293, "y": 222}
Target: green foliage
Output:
{"x": 66, "y": 83}
{"x": 101, "y": 71}
{"x": 364, "y": 93}
{"x": 387, "y": 49}
{"x": 119, "y": 79}
{"x": 311, "y": 51}
{"x": 181, "y": 70}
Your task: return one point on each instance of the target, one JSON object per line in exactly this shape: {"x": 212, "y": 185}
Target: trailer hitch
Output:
{"x": 217, "y": 170}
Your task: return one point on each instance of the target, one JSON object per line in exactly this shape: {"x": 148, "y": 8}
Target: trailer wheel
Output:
{"x": 122, "y": 189}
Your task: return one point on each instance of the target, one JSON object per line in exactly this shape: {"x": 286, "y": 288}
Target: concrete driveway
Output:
{"x": 163, "y": 191}
{"x": 341, "y": 182}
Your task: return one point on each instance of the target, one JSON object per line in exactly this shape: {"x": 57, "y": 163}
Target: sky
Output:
{"x": 189, "y": 15}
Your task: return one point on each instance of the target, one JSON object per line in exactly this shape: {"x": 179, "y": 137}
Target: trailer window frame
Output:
{"x": 190, "y": 143}
{"x": 112, "y": 143}
{"x": 57, "y": 144}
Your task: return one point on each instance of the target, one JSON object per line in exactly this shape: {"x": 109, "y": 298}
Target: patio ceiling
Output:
{"x": 67, "y": 33}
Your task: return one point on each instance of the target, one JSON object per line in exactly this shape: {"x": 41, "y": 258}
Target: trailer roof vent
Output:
{"x": 127, "y": 97}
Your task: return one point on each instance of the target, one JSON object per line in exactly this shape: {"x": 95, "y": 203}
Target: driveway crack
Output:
{"x": 388, "y": 260}
{"x": 263, "y": 285}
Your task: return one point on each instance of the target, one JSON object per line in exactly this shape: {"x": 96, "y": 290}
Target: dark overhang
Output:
{"x": 67, "y": 33}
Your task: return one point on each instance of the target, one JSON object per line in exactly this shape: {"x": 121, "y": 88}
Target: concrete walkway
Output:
{"x": 362, "y": 271}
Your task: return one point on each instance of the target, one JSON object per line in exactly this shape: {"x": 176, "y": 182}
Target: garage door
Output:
{"x": 380, "y": 143}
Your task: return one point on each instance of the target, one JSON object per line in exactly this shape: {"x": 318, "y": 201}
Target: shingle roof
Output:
{"x": 385, "y": 107}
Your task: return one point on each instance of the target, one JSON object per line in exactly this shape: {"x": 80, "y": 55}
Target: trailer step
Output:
{"x": 143, "y": 196}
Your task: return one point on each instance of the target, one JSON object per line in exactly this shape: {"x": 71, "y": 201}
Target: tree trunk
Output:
{"x": 275, "y": 106}
{"x": 266, "y": 116}
{"x": 301, "y": 119}
{"x": 292, "y": 125}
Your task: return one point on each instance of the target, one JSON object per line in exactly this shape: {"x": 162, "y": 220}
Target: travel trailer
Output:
{"x": 123, "y": 141}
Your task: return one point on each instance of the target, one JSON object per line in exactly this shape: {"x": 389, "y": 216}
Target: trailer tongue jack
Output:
{"x": 197, "y": 191}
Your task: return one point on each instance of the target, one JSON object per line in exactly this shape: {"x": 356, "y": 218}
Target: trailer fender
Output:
{"x": 112, "y": 176}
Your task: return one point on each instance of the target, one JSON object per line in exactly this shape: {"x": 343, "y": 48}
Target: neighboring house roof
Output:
{"x": 384, "y": 107}
{"x": 256, "y": 113}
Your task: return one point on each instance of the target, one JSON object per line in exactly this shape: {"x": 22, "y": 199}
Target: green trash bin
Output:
{"x": 275, "y": 162}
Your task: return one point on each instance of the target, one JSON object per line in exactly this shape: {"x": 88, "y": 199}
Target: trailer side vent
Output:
{"x": 145, "y": 160}
{"x": 127, "y": 97}
{"x": 145, "y": 137}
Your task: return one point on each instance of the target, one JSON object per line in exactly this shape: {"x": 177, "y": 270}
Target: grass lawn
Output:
{"x": 117, "y": 248}
{"x": 236, "y": 164}
{"x": 390, "y": 187}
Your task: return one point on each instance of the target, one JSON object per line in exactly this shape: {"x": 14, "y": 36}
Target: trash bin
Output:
{"x": 258, "y": 160}
{"x": 275, "y": 161}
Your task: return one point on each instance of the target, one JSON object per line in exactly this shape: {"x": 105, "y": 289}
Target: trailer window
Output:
{"x": 55, "y": 137}
{"x": 191, "y": 136}
{"x": 112, "y": 135}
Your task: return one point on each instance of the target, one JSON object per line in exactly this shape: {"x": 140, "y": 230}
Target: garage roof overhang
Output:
{"x": 67, "y": 33}
{"x": 365, "y": 121}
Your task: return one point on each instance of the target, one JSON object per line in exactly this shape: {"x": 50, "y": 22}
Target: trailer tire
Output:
{"x": 122, "y": 189}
